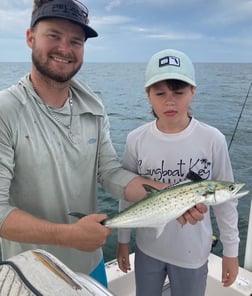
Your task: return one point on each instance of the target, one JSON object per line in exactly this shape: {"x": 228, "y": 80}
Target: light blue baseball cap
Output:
{"x": 169, "y": 64}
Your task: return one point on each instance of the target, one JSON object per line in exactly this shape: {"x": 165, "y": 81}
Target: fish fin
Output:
{"x": 151, "y": 189}
{"x": 159, "y": 230}
{"x": 190, "y": 177}
{"x": 193, "y": 176}
{"x": 77, "y": 215}
{"x": 81, "y": 215}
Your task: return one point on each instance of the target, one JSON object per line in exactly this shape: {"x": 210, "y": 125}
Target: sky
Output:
{"x": 133, "y": 30}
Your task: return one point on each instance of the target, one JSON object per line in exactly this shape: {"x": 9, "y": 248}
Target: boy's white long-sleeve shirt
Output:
{"x": 168, "y": 158}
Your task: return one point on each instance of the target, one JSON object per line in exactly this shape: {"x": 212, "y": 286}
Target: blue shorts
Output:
{"x": 99, "y": 274}
{"x": 150, "y": 275}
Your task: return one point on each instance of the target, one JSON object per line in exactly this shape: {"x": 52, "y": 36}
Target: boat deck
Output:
{"x": 122, "y": 284}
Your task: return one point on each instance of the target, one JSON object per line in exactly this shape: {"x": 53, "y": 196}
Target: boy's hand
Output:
{"x": 193, "y": 215}
{"x": 230, "y": 268}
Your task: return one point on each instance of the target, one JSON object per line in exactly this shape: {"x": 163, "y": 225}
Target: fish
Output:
{"x": 159, "y": 207}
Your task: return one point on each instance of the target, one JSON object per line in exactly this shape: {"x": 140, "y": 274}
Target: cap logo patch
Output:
{"x": 169, "y": 61}
{"x": 66, "y": 9}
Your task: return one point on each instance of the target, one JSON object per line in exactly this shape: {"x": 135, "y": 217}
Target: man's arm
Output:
{"x": 87, "y": 234}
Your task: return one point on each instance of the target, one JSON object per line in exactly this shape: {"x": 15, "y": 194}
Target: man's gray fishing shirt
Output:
{"x": 49, "y": 173}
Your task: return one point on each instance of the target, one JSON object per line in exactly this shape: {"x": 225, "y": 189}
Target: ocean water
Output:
{"x": 223, "y": 89}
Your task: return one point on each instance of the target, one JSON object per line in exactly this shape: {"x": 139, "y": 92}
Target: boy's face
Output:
{"x": 170, "y": 106}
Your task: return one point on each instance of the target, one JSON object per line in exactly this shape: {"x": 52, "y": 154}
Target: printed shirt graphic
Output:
{"x": 163, "y": 173}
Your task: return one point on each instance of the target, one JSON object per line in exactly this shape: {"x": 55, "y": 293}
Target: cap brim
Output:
{"x": 167, "y": 76}
{"x": 89, "y": 32}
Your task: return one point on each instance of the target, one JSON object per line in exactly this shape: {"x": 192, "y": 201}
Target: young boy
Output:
{"x": 165, "y": 150}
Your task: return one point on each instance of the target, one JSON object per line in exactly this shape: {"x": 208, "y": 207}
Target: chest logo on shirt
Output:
{"x": 164, "y": 173}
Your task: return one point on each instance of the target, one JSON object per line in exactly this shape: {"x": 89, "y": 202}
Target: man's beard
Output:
{"x": 48, "y": 72}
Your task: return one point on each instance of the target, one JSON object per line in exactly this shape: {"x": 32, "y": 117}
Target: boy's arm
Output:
{"x": 123, "y": 257}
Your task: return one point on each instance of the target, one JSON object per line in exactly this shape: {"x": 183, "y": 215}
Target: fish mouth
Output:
{"x": 237, "y": 192}
{"x": 241, "y": 194}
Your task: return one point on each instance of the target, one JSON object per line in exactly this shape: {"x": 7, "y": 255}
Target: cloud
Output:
{"x": 15, "y": 4}
{"x": 113, "y": 4}
{"x": 14, "y": 17}
{"x": 14, "y": 22}
{"x": 230, "y": 12}
{"x": 134, "y": 29}
{"x": 110, "y": 20}
{"x": 168, "y": 33}
{"x": 175, "y": 36}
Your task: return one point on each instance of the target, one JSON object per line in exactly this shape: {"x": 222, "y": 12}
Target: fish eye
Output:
{"x": 231, "y": 187}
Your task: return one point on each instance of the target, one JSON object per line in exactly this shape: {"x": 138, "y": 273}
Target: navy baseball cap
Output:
{"x": 72, "y": 10}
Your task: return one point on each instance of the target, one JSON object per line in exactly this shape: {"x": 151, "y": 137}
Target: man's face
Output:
{"x": 57, "y": 48}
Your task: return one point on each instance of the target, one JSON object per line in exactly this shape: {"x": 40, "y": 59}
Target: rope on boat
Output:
{"x": 239, "y": 118}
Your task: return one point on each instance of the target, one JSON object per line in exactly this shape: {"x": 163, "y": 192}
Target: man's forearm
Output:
{"x": 86, "y": 234}
{"x": 22, "y": 227}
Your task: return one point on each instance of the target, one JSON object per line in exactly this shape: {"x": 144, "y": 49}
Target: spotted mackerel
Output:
{"x": 160, "y": 207}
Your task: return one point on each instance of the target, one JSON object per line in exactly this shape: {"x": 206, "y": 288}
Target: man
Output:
{"x": 55, "y": 146}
